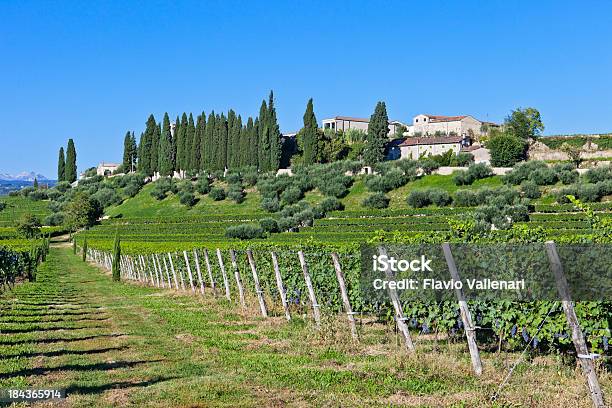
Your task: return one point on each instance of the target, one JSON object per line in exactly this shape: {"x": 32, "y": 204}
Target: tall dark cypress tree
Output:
{"x": 263, "y": 144}
{"x": 196, "y": 158}
{"x": 61, "y": 166}
{"x": 221, "y": 142}
{"x": 166, "y": 167}
{"x": 145, "y": 162}
{"x": 71, "y": 167}
{"x": 274, "y": 135}
{"x": 127, "y": 152}
{"x": 177, "y": 126}
{"x": 156, "y": 139}
{"x": 208, "y": 146}
{"x": 181, "y": 144}
{"x": 133, "y": 152}
{"x": 254, "y": 154}
{"x": 309, "y": 134}
{"x": 189, "y": 143}
{"x": 237, "y": 141}
{"x": 378, "y": 131}
{"x": 231, "y": 120}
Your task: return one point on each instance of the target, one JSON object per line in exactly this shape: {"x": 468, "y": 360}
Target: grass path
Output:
{"x": 115, "y": 344}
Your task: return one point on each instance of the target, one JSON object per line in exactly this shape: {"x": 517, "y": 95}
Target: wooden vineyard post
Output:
{"x": 189, "y": 271}
{"x": 260, "y": 296}
{"x": 466, "y": 316}
{"x": 345, "y": 299}
{"x": 197, "y": 264}
{"x": 156, "y": 271}
{"x": 238, "y": 278}
{"x": 400, "y": 320}
{"x": 182, "y": 280}
{"x": 210, "y": 276}
{"x": 311, "y": 293}
{"x": 159, "y": 270}
{"x": 222, "y": 267}
{"x": 173, "y": 271}
{"x": 281, "y": 287}
{"x": 584, "y": 357}
{"x": 165, "y": 269}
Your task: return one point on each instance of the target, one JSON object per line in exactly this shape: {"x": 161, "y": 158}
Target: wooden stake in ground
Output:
{"x": 238, "y": 279}
{"x": 260, "y": 296}
{"x": 167, "y": 271}
{"x": 189, "y": 271}
{"x": 181, "y": 276}
{"x": 400, "y": 320}
{"x": 225, "y": 281}
{"x": 213, "y": 285}
{"x": 585, "y": 358}
{"x": 466, "y": 316}
{"x": 197, "y": 264}
{"x": 345, "y": 299}
{"x": 280, "y": 286}
{"x": 173, "y": 271}
{"x": 311, "y": 292}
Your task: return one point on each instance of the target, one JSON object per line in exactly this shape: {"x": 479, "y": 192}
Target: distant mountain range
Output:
{"x": 24, "y": 176}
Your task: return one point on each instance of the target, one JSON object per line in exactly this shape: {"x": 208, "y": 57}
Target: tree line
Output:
{"x": 206, "y": 143}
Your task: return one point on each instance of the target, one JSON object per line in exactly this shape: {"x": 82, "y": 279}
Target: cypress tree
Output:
{"x": 116, "y": 266}
{"x": 254, "y": 153}
{"x": 61, "y": 166}
{"x": 196, "y": 149}
{"x": 221, "y": 143}
{"x": 208, "y": 147}
{"x": 181, "y": 144}
{"x": 263, "y": 146}
{"x": 165, "y": 149}
{"x": 189, "y": 143}
{"x": 71, "y": 167}
{"x": 177, "y": 126}
{"x": 309, "y": 135}
{"x": 127, "y": 152}
{"x": 35, "y": 184}
{"x": 274, "y": 136}
{"x": 155, "y": 141}
{"x": 232, "y": 146}
{"x": 378, "y": 130}
{"x": 146, "y": 162}
{"x": 133, "y": 152}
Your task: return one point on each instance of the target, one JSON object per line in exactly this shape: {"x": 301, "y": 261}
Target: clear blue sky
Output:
{"x": 92, "y": 70}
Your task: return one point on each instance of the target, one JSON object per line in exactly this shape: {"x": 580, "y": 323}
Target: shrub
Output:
{"x": 28, "y": 226}
{"x": 131, "y": 189}
{"x": 233, "y": 178}
{"x": 162, "y": 187}
{"x": 334, "y": 189}
{"x": 428, "y": 165}
{"x": 54, "y": 219}
{"x": 376, "y": 200}
{"x": 202, "y": 185}
{"x": 62, "y": 186}
{"x": 473, "y": 173}
{"x": 466, "y": 198}
{"x": 292, "y": 195}
{"x": 463, "y": 159}
{"x": 107, "y": 197}
{"x": 521, "y": 171}
{"x": 599, "y": 174}
{"x": 26, "y": 191}
{"x": 375, "y": 184}
{"x": 543, "y": 177}
{"x": 530, "y": 189}
{"x": 186, "y": 186}
{"x": 38, "y": 195}
{"x": 236, "y": 194}
{"x": 287, "y": 224}
{"x": 187, "y": 198}
{"x": 269, "y": 225}
{"x": 53, "y": 194}
{"x": 270, "y": 204}
{"x": 250, "y": 176}
{"x": 439, "y": 197}
{"x": 331, "y": 204}
{"x": 244, "y": 231}
{"x": 568, "y": 177}
{"x": 217, "y": 194}
{"x": 418, "y": 198}
{"x": 506, "y": 150}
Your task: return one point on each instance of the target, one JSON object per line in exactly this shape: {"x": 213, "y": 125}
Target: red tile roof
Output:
{"x": 419, "y": 141}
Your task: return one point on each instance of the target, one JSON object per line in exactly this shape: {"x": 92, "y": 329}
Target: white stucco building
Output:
{"x": 424, "y": 125}
{"x": 417, "y": 147}
{"x": 106, "y": 169}
{"x": 344, "y": 123}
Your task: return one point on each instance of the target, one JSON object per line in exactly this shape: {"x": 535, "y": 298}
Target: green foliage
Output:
{"x": 423, "y": 197}
{"x": 428, "y": 165}
{"x": 82, "y": 211}
{"x": 376, "y": 200}
{"x": 61, "y": 166}
{"x": 598, "y": 174}
{"x": 378, "y": 130}
{"x": 217, "y": 194}
{"x": 84, "y": 251}
{"x": 130, "y": 152}
{"x": 310, "y": 135}
{"x": 28, "y": 226}
{"x": 473, "y": 173}
{"x": 270, "y": 204}
{"x": 506, "y": 150}
{"x": 524, "y": 123}
{"x": 236, "y": 193}
{"x": 244, "y": 231}
{"x": 116, "y": 265}
{"x": 530, "y": 190}
{"x": 71, "y": 167}
{"x": 269, "y": 225}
